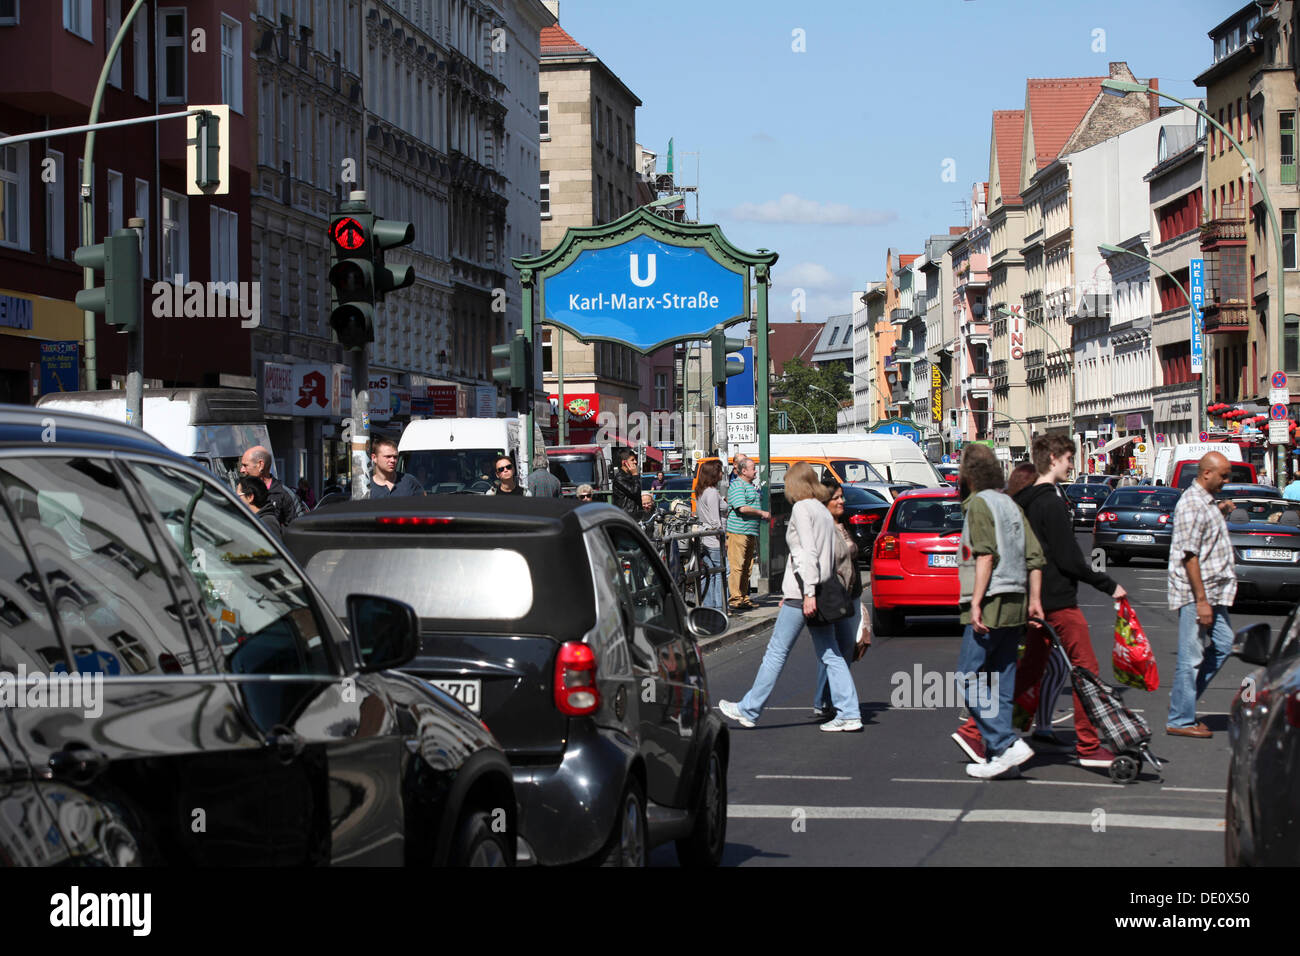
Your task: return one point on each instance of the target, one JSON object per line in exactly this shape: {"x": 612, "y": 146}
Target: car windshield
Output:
{"x": 443, "y": 471}
{"x": 578, "y": 470}
{"x": 926, "y": 516}
{"x": 1075, "y": 492}
{"x": 1155, "y": 500}
{"x": 921, "y": 472}
{"x": 1267, "y": 510}
{"x": 854, "y": 469}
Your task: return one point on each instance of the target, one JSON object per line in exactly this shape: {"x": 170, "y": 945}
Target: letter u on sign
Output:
{"x": 649, "y": 270}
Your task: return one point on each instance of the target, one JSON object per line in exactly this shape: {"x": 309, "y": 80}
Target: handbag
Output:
{"x": 833, "y": 601}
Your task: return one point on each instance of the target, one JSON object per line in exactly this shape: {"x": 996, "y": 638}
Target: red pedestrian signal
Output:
{"x": 348, "y": 234}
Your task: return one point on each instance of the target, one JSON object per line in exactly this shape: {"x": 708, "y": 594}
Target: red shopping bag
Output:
{"x": 1132, "y": 657}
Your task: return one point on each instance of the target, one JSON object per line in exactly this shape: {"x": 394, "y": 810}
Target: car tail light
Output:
{"x": 887, "y": 546}
{"x": 1293, "y": 708}
{"x": 1163, "y": 519}
{"x": 864, "y": 519}
{"x": 1107, "y": 516}
{"x": 408, "y": 520}
{"x": 575, "y": 680}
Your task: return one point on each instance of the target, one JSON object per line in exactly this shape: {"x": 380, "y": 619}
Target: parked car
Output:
{"x": 1110, "y": 481}
{"x": 555, "y": 622}
{"x": 1184, "y": 473}
{"x": 238, "y": 721}
{"x": 1085, "y": 501}
{"x": 914, "y": 563}
{"x": 950, "y": 473}
{"x": 1136, "y": 522}
{"x": 576, "y": 465}
{"x": 864, "y": 515}
{"x": 1265, "y": 537}
{"x": 1231, "y": 490}
{"x": 1261, "y": 827}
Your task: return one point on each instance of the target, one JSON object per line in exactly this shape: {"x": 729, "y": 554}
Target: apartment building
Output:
{"x": 1006, "y": 224}
{"x": 934, "y": 367}
{"x": 51, "y": 55}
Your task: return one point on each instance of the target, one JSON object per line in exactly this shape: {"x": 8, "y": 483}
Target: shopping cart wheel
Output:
{"x": 1124, "y": 769}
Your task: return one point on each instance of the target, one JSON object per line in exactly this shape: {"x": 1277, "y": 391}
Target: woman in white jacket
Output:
{"x": 810, "y": 536}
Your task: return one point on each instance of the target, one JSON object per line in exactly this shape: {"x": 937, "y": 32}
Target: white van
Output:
{"x": 895, "y": 458}
{"x": 458, "y": 454}
{"x": 1167, "y": 457}
{"x": 214, "y": 426}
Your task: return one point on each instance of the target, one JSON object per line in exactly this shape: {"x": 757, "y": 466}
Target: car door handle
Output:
{"x": 77, "y": 764}
{"x": 286, "y": 744}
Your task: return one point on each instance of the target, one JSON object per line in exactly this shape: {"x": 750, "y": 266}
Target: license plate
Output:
{"x": 1138, "y": 538}
{"x": 943, "y": 560}
{"x": 468, "y": 692}
{"x": 1269, "y": 554}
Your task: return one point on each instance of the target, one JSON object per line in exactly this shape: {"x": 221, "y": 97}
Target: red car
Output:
{"x": 914, "y": 563}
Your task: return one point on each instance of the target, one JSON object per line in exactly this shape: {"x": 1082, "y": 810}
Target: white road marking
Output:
{"x": 1140, "y": 821}
{"x": 794, "y": 776}
{"x": 1195, "y": 790}
{"x": 1045, "y": 783}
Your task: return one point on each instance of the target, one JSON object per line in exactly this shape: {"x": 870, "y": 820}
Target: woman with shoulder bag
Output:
{"x": 851, "y": 638}
{"x": 809, "y": 581}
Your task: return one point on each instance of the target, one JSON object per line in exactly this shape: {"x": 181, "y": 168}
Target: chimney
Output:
{"x": 798, "y": 316}
{"x": 1154, "y": 83}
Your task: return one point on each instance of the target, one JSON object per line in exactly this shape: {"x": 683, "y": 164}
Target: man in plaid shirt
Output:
{"x": 1202, "y": 585}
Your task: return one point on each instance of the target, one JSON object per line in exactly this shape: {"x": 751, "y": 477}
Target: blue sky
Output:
{"x": 832, "y": 155}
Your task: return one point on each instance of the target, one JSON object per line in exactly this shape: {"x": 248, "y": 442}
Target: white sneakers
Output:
{"x": 1010, "y": 758}
{"x": 839, "y": 723}
{"x": 731, "y": 710}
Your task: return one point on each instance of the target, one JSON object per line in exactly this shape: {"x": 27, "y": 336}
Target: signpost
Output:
{"x": 1196, "y": 273}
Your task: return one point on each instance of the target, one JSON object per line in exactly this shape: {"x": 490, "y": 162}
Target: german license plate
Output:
{"x": 1269, "y": 554}
{"x": 1138, "y": 538}
{"x": 468, "y": 692}
{"x": 943, "y": 560}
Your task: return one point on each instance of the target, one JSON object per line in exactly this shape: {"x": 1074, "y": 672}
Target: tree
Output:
{"x": 804, "y": 393}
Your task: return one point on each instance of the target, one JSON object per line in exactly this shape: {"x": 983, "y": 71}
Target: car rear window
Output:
{"x": 926, "y": 516}
{"x": 466, "y": 584}
{"x": 574, "y": 471}
{"x": 856, "y": 497}
{"x": 1086, "y": 491}
{"x": 1162, "y": 500}
{"x": 1241, "y": 474}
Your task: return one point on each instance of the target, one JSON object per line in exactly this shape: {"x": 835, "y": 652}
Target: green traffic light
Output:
{"x": 118, "y": 300}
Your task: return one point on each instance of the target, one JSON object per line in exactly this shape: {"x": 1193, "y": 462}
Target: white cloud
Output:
{"x": 795, "y": 209}
{"x": 806, "y": 275}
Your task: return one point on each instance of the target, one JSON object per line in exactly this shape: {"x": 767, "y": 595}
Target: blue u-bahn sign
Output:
{"x": 897, "y": 426}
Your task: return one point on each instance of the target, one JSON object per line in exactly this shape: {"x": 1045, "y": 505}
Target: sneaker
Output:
{"x": 970, "y": 741}
{"x": 821, "y": 713}
{"x": 1013, "y": 756}
{"x": 731, "y": 710}
{"x": 839, "y": 723}
{"x": 1045, "y": 741}
{"x": 1101, "y": 758}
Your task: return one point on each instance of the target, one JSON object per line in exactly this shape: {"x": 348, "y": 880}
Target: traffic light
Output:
{"x": 389, "y": 234}
{"x": 207, "y": 151}
{"x": 725, "y": 364}
{"x": 517, "y": 373}
{"x": 352, "y": 276}
{"x": 118, "y": 257}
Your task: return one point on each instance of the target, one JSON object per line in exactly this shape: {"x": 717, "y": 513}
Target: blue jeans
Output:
{"x": 789, "y": 623}
{"x": 846, "y": 639}
{"x": 717, "y": 583}
{"x": 992, "y": 654}
{"x": 1200, "y": 655}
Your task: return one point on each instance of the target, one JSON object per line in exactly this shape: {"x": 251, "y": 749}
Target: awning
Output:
{"x": 1115, "y": 443}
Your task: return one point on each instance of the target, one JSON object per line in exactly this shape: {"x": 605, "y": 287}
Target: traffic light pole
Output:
{"x": 135, "y": 350}
{"x": 360, "y": 431}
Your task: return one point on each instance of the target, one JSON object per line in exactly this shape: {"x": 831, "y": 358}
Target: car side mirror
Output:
{"x": 1252, "y": 643}
{"x": 385, "y": 633}
{"x": 707, "y": 622}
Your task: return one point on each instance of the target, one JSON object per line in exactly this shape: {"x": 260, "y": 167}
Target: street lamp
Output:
{"x": 815, "y": 423}
{"x": 835, "y": 400}
{"x": 1124, "y": 87}
{"x": 871, "y": 383}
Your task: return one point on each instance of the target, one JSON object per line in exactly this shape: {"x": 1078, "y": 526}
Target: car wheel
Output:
{"x": 477, "y": 844}
{"x": 627, "y": 843}
{"x": 884, "y": 622}
{"x": 705, "y": 844}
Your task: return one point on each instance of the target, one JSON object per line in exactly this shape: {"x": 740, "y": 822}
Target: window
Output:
{"x": 598, "y": 199}
{"x": 1288, "y": 238}
{"x": 232, "y": 64}
{"x": 55, "y": 245}
{"x": 546, "y": 194}
{"x": 1291, "y": 344}
{"x": 140, "y": 55}
{"x": 544, "y": 116}
{"x": 172, "y": 47}
{"x": 645, "y": 593}
{"x": 112, "y": 23}
{"x": 1286, "y": 134}
{"x": 13, "y": 196}
{"x": 77, "y": 19}
{"x": 225, "y": 231}
{"x": 661, "y": 390}
{"x": 116, "y": 218}
{"x": 114, "y": 600}
{"x": 175, "y": 238}
{"x": 142, "y": 211}
{"x": 547, "y": 350}
{"x": 8, "y": 13}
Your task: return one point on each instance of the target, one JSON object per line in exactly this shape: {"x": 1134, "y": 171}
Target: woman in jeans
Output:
{"x": 846, "y": 631}
{"x": 710, "y": 507}
{"x": 811, "y": 537}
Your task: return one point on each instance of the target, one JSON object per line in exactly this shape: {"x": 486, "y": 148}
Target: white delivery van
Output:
{"x": 448, "y": 455}
{"x": 1167, "y": 457}
{"x": 214, "y": 426}
{"x": 894, "y": 457}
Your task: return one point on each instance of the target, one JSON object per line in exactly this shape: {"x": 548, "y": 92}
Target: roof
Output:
{"x": 557, "y": 42}
{"x": 905, "y": 259}
{"x": 1056, "y": 106}
{"x": 790, "y": 339}
{"x": 836, "y": 337}
{"x": 1008, "y": 135}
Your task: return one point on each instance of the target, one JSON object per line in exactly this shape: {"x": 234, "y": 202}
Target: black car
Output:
{"x": 864, "y": 515}
{"x": 1086, "y": 501}
{"x": 557, "y": 623}
{"x": 203, "y": 704}
{"x": 1265, "y": 537}
{"x": 1260, "y": 821}
{"x": 1136, "y": 522}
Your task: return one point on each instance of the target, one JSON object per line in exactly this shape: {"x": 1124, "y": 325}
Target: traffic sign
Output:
{"x": 1279, "y": 433}
{"x": 1205, "y": 436}
{"x": 1279, "y": 379}
{"x": 348, "y": 234}
{"x": 1160, "y": 438}
{"x": 1141, "y": 448}
{"x": 1277, "y": 412}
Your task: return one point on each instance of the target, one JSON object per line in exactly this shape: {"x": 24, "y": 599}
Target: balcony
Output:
{"x": 899, "y": 316}
{"x": 1226, "y": 317}
{"x": 1230, "y": 226}
{"x": 1035, "y": 358}
{"x": 1092, "y": 305}
{"x": 903, "y": 354}
{"x": 999, "y": 368}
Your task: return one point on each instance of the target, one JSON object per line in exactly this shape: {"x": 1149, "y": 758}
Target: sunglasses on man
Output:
{"x": 584, "y": 497}
{"x": 505, "y": 468}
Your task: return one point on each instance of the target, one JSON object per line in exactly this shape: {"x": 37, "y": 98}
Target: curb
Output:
{"x": 742, "y": 631}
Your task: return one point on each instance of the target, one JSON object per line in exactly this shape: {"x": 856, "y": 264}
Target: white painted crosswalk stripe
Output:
{"x": 1138, "y": 821}
{"x": 794, "y": 776}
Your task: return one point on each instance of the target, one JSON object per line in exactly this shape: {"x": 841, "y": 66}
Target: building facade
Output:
{"x": 1006, "y": 215}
